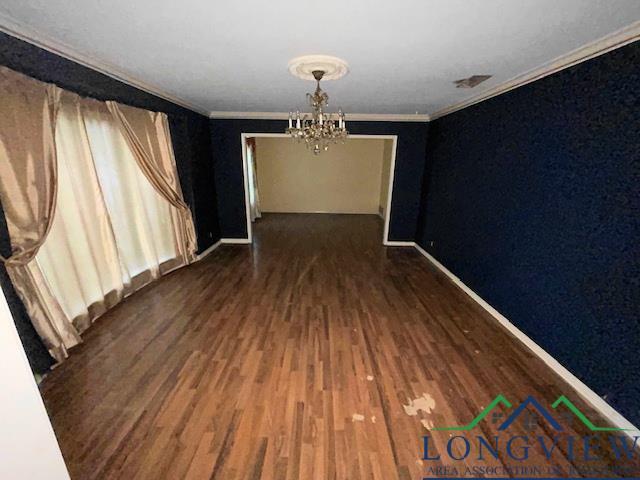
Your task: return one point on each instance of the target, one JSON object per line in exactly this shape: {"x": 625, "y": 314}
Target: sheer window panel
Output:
{"x": 79, "y": 258}
{"x": 140, "y": 217}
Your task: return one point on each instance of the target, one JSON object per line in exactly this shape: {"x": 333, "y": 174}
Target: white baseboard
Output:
{"x": 235, "y": 241}
{"x": 394, "y": 243}
{"x": 583, "y": 390}
{"x": 208, "y": 250}
{"x": 321, "y": 212}
{"x": 241, "y": 241}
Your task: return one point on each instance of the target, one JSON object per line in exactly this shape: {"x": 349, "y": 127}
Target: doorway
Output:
{"x": 354, "y": 178}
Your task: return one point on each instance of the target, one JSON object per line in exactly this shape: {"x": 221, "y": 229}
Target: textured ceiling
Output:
{"x": 232, "y": 56}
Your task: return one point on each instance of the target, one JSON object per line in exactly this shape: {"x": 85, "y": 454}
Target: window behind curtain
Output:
{"x": 141, "y": 218}
{"x": 111, "y": 231}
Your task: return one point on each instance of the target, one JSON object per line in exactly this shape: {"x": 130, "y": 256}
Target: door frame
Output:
{"x": 387, "y": 212}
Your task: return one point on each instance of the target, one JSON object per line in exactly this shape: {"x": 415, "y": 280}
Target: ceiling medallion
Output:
{"x": 321, "y": 128}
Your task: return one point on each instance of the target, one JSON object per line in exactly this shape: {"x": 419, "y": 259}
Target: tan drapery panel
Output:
{"x": 254, "y": 194}
{"x": 28, "y": 184}
{"x": 147, "y": 134}
{"x": 28, "y": 175}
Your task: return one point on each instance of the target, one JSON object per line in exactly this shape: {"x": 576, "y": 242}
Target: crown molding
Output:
{"x": 610, "y": 42}
{"x": 23, "y": 32}
{"x": 354, "y": 117}
{"x": 617, "y": 39}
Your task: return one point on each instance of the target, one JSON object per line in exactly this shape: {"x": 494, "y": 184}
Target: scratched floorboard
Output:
{"x": 252, "y": 363}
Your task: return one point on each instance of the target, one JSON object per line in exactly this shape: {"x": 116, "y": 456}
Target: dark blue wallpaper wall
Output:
{"x": 227, "y": 154}
{"x": 532, "y": 198}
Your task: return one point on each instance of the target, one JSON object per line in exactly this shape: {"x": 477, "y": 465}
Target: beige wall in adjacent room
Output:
{"x": 387, "y": 152}
{"x": 345, "y": 179}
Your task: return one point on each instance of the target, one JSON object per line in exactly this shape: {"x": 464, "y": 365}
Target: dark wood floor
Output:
{"x": 296, "y": 358}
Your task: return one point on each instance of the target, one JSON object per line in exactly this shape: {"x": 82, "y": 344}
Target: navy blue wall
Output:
{"x": 189, "y": 134}
{"x": 533, "y": 199}
{"x": 227, "y": 154}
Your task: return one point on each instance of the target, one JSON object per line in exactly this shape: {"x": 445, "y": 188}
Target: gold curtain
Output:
{"x": 28, "y": 191}
{"x": 113, "y": 232}
{"x": 102, "y": 222}
{"x": 254, "y": 194}
{"x": 147, "y": 134}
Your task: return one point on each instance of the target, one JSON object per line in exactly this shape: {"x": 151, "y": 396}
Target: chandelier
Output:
{"x": 320, "y": 129}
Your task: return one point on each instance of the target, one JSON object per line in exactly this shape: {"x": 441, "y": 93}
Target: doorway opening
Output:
{"x": 282, "y": 176}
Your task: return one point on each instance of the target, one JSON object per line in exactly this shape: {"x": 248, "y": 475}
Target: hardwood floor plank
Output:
{"x": 296, "y": 358}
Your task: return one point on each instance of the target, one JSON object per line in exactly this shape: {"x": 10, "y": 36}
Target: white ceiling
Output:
{"x": 232, "y": 55}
